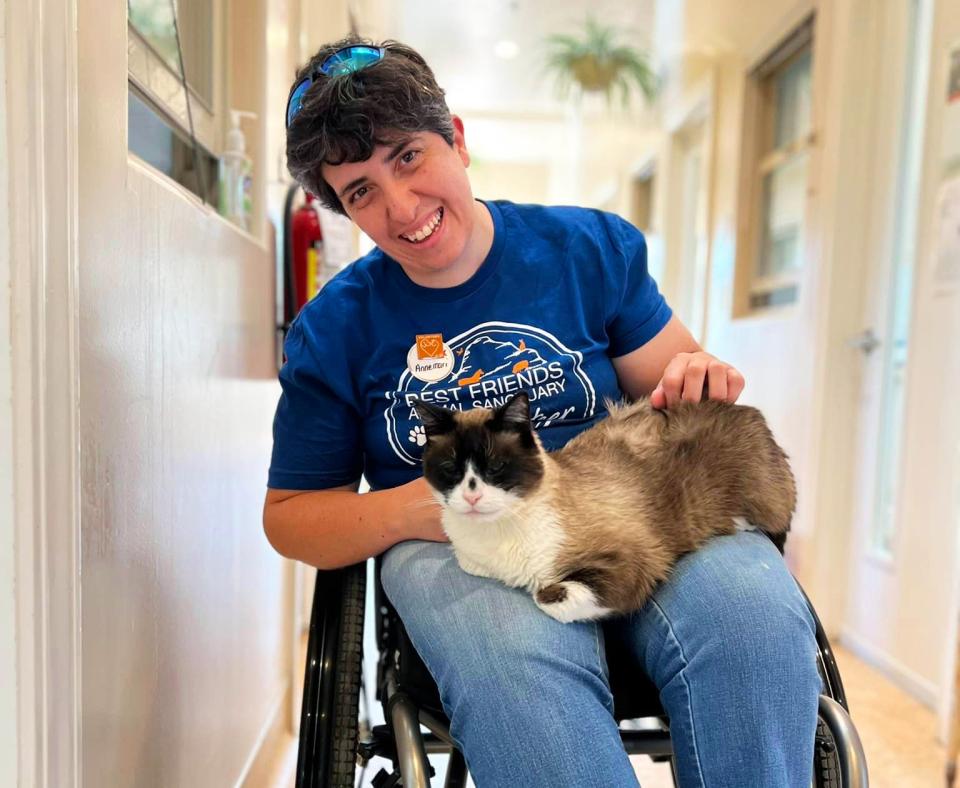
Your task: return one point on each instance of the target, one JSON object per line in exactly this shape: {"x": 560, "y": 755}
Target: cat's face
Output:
{"x": 480, "y": 463}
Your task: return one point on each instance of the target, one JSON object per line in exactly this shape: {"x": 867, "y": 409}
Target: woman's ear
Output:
{"x": 459, "y": 140}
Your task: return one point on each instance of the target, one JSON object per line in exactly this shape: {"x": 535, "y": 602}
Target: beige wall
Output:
{"x": 184, "y": 640}
{"x": 8, "y": 620}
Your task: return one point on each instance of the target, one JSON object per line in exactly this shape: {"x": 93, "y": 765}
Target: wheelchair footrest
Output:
{"x": 385, "y": 779}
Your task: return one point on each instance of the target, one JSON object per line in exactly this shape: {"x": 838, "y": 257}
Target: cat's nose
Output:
{"x": 472, "y": 496}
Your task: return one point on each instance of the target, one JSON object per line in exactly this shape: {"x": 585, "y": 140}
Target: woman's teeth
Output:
{"x": 427, "y": 230}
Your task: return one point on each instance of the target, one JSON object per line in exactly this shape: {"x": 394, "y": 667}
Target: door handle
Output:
{"x": 866, "y": 341}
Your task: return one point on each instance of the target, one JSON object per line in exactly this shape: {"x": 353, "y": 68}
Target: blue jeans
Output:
{"x": 727, "y": 640}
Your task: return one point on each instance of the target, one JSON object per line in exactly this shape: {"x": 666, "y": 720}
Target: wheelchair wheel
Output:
{"x": 826, "y": 759}
{"x": 331, "y": 691}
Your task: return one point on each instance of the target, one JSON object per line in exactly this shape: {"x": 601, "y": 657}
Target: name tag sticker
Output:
{"x": 430, "y": 359}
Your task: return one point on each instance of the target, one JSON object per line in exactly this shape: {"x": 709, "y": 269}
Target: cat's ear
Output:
{"x": 515, "y": 413}
{"x": 436, "y": 420}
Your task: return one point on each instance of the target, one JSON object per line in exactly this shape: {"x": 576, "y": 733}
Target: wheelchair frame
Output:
{"x": 400, "y": 740}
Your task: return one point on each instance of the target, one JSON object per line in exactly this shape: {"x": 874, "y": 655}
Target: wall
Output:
{"x": 184, "y": 650}
{"x": 8, "y": 620}
{"x": 797, "y": 365}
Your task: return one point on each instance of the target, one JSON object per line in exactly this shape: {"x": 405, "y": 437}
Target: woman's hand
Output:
{"x": 688, "y": 376}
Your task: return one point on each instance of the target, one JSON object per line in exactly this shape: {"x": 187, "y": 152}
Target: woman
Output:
{"x": 457, "y": 290}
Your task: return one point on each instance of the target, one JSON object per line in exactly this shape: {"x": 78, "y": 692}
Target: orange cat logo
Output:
{"x": 472, "y": 379}
{"x": 429, "y": 346}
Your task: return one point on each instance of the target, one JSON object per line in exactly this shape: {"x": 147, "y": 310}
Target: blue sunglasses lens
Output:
{"x": 296, "y": 100}
{"x": 350, "y": 59}
{"x": 343, "y": 61}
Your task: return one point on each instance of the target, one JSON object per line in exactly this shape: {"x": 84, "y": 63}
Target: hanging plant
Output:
{"x": 594, "y": 61}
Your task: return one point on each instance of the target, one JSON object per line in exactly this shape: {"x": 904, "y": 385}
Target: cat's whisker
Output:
{"x": 422, "y": 503}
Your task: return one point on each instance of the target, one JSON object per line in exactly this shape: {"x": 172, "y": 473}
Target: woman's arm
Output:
{"x": 338, "y": 527}
{"x": 672, "y": 367}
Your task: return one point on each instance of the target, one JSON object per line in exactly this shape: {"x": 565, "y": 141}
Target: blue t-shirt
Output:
{"x": 561, "y": 292}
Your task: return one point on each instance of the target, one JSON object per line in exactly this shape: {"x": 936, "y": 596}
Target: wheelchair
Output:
{"x": 330, "y": 748}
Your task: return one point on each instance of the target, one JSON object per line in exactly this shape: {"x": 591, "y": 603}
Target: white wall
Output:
{"x": 8, "y": 621}
{"x": 184, "y": 646}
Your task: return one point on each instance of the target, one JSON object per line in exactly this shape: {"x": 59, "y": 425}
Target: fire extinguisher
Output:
{"x": 306, "y": 247}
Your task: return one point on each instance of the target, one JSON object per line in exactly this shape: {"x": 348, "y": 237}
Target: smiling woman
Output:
{"x": 465, "y": 302}
{"x": 414, "y": 201}
{"x": 397, "y": 168}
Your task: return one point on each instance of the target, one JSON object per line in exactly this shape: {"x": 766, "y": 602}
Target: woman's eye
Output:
{"x": 409, "y": 156}
{"x": 359, "y": 194}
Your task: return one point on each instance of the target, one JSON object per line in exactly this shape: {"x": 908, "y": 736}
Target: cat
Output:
{"x": 591, "y": 529}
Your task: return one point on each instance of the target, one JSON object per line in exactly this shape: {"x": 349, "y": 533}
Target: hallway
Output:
{"x": 786, "y": 171}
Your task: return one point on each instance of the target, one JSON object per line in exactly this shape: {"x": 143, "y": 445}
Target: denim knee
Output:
{"x": 766, "y": 641}
{"x": 483, "y": 640}
{"x": 524, "y": 693}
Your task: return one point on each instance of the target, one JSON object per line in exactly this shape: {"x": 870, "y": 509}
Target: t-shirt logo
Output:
{"x": 484, "y": 367}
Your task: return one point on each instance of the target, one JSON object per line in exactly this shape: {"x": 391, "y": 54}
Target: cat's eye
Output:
{"x": 495, "y": 466}
{"x": 447, "y": 466}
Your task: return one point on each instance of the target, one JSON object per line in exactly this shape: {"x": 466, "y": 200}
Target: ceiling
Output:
{"x": 459, "y": 40}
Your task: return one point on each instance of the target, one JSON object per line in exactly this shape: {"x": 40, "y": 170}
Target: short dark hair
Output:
{"x": 344, "y": 117}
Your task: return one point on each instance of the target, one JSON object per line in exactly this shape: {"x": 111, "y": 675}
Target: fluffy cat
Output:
{"x": 591, "y": 529}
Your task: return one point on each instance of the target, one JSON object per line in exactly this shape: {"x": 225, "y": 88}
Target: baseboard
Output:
{"x": 270, "y": 744}
{"x": 924, "y": 691}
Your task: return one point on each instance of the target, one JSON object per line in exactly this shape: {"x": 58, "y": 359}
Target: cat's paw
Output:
{"x": 418, "y": 435}
{"x": 472, "y": 567}
{"x": 568, "y": 601}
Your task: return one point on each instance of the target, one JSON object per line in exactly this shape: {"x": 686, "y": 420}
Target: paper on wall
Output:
{"x": 951, "y": 112}
{"x": 946, "y": 273}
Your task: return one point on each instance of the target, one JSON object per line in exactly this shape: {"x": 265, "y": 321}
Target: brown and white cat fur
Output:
{"x": 591, "y": 529}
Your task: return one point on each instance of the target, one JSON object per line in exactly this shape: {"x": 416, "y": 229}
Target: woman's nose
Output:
{"x": 401, "y": 204}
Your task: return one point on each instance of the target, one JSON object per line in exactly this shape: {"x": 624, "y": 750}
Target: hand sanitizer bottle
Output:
{"x": 236, "y": 174}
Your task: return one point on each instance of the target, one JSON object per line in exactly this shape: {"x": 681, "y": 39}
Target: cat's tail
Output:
{"x": 779, "y": 540}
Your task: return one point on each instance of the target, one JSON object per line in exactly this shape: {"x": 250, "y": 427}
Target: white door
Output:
{"x": 887, "y": 616}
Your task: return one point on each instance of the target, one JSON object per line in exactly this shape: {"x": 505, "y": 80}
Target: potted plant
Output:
{"x": 597, "y": 63}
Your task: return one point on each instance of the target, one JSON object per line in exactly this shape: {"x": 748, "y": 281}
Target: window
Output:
{"x": 777, "y": 141}
{"x": 158, "y": 140}
{"x": 172, "y": 123}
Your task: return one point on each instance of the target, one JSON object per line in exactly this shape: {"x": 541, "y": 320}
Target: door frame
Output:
{"x": 42, "y": 127}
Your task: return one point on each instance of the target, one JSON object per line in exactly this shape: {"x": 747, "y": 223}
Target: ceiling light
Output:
{"x": 506, "y": 49}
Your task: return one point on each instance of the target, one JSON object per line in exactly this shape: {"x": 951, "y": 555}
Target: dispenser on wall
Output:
{"x": 236, "y": 173}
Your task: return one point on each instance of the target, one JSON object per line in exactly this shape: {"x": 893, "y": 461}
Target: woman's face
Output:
{"x": 414, "y": 201}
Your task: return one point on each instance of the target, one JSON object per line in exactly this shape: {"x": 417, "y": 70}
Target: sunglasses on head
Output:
{"x": 343, "y": 61}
